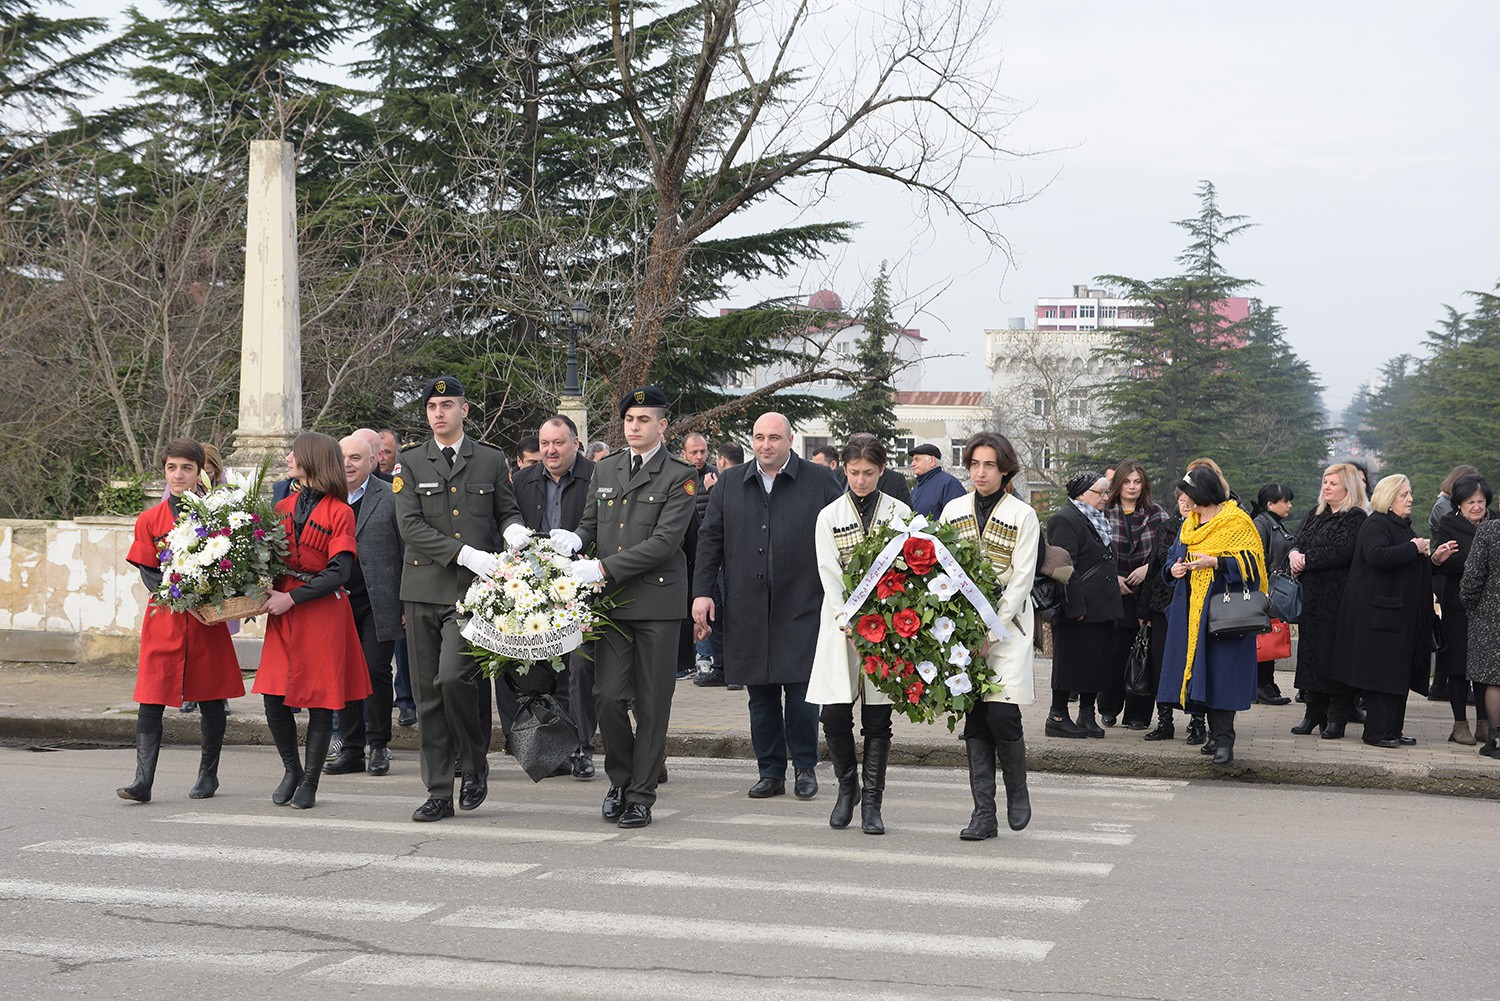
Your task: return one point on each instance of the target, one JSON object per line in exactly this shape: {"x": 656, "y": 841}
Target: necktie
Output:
{"x": 449, "y": 453}
{"x": 635, "y": 465}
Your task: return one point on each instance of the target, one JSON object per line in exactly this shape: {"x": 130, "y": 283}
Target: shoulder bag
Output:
{"x": 1286, "y": 597}
{"x": 1238, "y": 613}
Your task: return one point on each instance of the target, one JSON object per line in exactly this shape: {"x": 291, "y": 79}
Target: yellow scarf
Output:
{"x": 1228, "y": 533}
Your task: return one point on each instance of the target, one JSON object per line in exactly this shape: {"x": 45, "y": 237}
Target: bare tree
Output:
{"x": 1043, "y": 397}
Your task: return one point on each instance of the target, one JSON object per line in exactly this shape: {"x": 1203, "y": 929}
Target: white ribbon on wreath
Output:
{"x": 961, "y": 580}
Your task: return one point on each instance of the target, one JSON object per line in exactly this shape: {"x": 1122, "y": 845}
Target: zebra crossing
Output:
{"x": 533, "y": 896}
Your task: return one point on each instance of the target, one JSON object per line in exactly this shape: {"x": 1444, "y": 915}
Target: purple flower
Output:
{"x": 175, "y": 591}
{"x": 165, "y": 556}
{"x": 201, "y": 532}
{"x": 255, "y": 519}
{"x": 176, "y": 577}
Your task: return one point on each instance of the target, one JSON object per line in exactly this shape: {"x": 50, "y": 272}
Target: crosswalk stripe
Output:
{"x": 382, "y": 911}
{"x": 450, "y": 830}
{"x": 783, "y": 936}
{"x": 1031, "y": 834}
{"x": 668, "y": 879}
{"x": 945, "y": 777}
{"x": 166, "y": 851}
{"x": 89, "y": 952}
{"x": 874, "y": 856}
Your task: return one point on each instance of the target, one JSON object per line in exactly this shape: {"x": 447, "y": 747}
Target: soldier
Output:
{"x": 643, "y": 502}
{"x": 453, "y": 504}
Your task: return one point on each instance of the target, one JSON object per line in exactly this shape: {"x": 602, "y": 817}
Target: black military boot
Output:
{"x": 877, "y": 752}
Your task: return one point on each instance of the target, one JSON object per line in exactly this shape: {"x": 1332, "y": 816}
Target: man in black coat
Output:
{"x": 759, "y": 529}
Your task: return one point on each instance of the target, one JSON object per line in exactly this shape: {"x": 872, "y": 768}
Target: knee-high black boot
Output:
{"x": 318, "y": 739}
{"x": 982, "y": 823}
{"x": 284, "y": 731}
{"x": 147, "y": 749}
{"x": 211, "y": 726}
{"x": 846, "y": 771}
{"x": 877, "y": 752}
{"x": 1012, "y": 755}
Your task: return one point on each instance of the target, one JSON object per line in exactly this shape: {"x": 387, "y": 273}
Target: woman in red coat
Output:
{"x": 182, "y": 658}
{"x": 311, "y": 658}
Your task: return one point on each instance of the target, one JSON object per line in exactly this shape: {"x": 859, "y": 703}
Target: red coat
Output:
{"x": 312, "y": 654}
{"x": 182, "y": 660}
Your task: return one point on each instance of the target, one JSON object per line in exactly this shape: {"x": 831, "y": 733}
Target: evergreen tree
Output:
{"x": 869, "y": 408}
{"x": 1284, "y": 437}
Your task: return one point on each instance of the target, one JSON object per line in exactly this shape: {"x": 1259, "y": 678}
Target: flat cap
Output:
{"x": 646, "y": 396}
{"x": 928, "y": 449}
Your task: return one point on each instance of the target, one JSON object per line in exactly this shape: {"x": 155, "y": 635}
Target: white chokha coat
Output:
{"x": 835, "y": 671}
{"x": 1010, "y": 540}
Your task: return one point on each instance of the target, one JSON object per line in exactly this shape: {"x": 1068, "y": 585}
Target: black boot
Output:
{"x": 211, "y": 726}
{"x": 846, "y": 771}
{"x": 1087, "y": 722}
{"x": 1197, "y": 730}
{"x": 1012, "y": 755}
{"x": 284, "y": 731}
{"x": 1165, "y": 728}
{"x": 147, "y": 748}
{"x": 306, "y": 795}
{"x": 877, "y": 752}
{"x": 982, "y": 823}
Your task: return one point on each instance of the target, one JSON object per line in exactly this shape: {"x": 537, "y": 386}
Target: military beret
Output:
{"x": 926, "y": 449}
{"x": 443, "y": 385}
{"x": 646, "y": 396}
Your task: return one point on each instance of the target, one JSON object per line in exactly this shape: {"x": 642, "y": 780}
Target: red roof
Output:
{"x": 943, "y": 399}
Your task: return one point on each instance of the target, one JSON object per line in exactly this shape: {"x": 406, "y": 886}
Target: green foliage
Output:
{"x": 869, "y": 407}
{"x": 123, "y": 496}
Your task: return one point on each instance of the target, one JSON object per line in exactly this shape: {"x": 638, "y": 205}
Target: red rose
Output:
{"x": 914, "y": 693}
{"x": 894, "y": 582}
{"x": 871, "y": 627}
{"x": 906, "y": 623}
{"x": 908, "y": 669}
{"x": 920, "y": 555}
{"x": 873, "y": 664}
{"x": 885, "y": 670}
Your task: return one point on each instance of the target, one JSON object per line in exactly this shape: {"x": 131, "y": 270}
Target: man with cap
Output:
{"x": 641, "y": 502}
{"x": 935, "y": 486}
{"x": 455, "y": 510}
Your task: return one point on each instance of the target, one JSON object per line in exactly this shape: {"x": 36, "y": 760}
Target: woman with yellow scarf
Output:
{"x": 1219, "y": 549}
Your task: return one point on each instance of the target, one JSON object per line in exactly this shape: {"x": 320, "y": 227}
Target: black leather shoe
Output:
{"x": 806, "y": 784}
{"x": 1137, "y": 724}
{"x": 614, "y": 805}
{"x": 1270, "y": 695}
{"x": 1307, "y": 726}
{"x": 1408, "y": 741}
{"x": 1224, "y": 756}
{"x": 583, "y": 765}
{"x": 1197, "y": 731}
{"x": 473, "y": 791}
{"x": 1108, "y": 720}
{"x": 1333, "y": 731}
{"x": 433, "y": 809}
{"x": 1209, "y": 746}
{"x": 710, "y": 679}
{"x": 635, "y": 815}
{"x": 346, "y": 762}
{"x": 406, "y": 717}
{"x": 1387, "y": 742}
{"x": 380, "y": 761}
{"x": 766, "y": 788}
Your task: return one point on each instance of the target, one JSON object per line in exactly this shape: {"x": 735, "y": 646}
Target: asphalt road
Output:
{"x": 1121, "y": 888}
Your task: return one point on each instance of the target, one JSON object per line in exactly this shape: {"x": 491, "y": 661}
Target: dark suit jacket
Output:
{"x": 773, "y": 595}
{"x": 531, "y": 494}
{"x": 1094, "y": 591}
{"x": 378, "y": 542}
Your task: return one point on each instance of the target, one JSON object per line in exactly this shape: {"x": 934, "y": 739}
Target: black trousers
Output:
{"x": 445, "y": 684}
{"x": 874, "y": 721}
{"x": 1221, "y": 726}
{"x": 1385, "y": 715}
{"x": 635, "y": 665}
{"x": 368, "y": 720}
{"x": 993, "y": 722}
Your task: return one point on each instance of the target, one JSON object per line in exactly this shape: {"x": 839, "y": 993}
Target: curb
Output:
{"x": 54, "y": 732}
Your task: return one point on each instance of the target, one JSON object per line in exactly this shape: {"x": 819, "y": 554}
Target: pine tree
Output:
{"x": 869, "y": 408}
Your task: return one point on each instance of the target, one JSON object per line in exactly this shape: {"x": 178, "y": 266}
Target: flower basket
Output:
{"x": 233, "y": 608}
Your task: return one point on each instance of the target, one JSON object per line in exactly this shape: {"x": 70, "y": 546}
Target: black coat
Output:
{"x": 531, "y": 494}
{"x": 1385, "y": 621}
{"x": 1453, "y": 659}
{"x": 1094, "y": 591}
{"x": 1327, "y": 542}
{"x": 773, "y": 596}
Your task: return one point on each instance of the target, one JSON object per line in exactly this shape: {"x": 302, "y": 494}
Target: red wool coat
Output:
{"x": 312, "y": 655}
{"x": 182, "y": 660}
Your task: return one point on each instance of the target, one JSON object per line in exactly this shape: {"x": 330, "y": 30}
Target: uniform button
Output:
{"x": 455, "y": 512}
{"x": 761, "y": 551}
{"x": 453, "y": 490}
{"x": 762, "y": 528}
{"x": 760, "y": 576}
{"x": 661, "y": 580}
{"x": 413, "y": 562}
{"x": 625, "y": 501}
{"x": 622, "y": 524}
{"x": 619, "y": 549}
{"x": 458, "y": 535}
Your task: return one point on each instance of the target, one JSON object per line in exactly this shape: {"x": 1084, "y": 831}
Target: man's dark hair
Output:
{"x": 829, "y": 452}
{"x": 562, "y": 419}
{"x": 182, "y": 448}
{"x": 733, "y": 451}
{"x": 1005, "y": 454}
{"x": 529, "y": 443}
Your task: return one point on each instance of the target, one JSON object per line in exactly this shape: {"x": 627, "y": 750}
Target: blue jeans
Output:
{"x": 781, "y": 730}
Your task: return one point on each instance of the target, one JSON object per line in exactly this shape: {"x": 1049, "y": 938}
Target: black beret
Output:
{"x": 443, "y": 385}
{"x": 646, "y": 396}
{"x": 1081, "y": 482}
{"x": 927, "y": 449}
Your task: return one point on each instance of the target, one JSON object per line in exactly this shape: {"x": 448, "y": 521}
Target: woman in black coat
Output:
{"x": 1385, "y": 622}
{"x": 1470, "y": 501}
{"x": 1083, "y": 634}
{"x": 1272, "y": 505}
{"x": 1320, "y": 559}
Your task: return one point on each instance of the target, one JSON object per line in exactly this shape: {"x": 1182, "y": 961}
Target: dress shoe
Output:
{"x": 1333, "y": 731}
{"x": 583, "y": 765}
{"x": 1308, "y": 725}
{"x": 1137, "y": 724}
{"x": 1407, "y": 741}
{"x": 635, "y": 815}
{"x": 1269, "y": 695}
{"x": 1209, "y": 746}
{"x": 734, "y": 688}
{"x": 614, "y": 805}
{"x": 1062, "y": 726}
{"x": 766, "y": 788}
{"x": 433, "y": 809}
{"x": 1224, "y": 756}
{"x": 1386, "y": 742}
{"x": 710, "y": 679}
{"x": 473, "y": 791}
{"x": 380, "y": 761}
{"x": 1108, "y": 720}
{"x": 406, "y": 717}
{"x": 346, "y": 762}
{"x": 806, "y": 784}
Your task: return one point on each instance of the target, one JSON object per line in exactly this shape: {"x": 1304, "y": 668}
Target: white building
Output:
{"x": 944, "y": 419}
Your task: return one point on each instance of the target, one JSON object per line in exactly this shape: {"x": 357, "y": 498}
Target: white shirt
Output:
{"x": 355, "y": 495}
{"x": 646, "y": 456}
{"x": 767, "y": 479}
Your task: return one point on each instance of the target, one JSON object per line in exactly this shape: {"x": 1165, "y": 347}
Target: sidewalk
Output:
{"x": 43, "y": 705}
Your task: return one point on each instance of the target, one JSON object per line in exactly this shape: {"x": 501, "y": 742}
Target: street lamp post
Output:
{"x": 572, "y": 320}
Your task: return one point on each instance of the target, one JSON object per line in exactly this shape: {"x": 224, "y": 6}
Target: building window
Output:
{"x": 1049, "y": 313}
{"x": 901, "y": 451}
{"x": 811, "y": 443}
{"x": 1041, "y": 404}
{"x": 956, "y": 448}
{"x": 1108, "y": 312}
{"x": 1085, "y": 311}
{"x": 1046, "y": 456}
{"x": 1078, "y": 405}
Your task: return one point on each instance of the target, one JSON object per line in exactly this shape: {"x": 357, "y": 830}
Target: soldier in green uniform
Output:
{"x": 455, "y": 509}
{"x": 642, "y": 502}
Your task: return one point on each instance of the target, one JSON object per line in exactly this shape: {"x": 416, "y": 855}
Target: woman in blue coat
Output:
{"x": 1219, "y": 550}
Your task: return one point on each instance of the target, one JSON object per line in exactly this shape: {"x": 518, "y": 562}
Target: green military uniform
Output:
{"x": 440, "y": 509}
{"x": 635, "y": 526}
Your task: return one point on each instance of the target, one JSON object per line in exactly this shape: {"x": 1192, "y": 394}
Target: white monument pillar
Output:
{"x": 271, "y": 338}
{"x": 572, "y": 407}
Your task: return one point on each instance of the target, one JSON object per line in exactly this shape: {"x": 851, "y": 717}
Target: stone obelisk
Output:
{"x": 271, "y": 336}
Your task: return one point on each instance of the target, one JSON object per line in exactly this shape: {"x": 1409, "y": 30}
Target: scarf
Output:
{"x": 985, "y": 506}
{"x": 1097, "y": 519}
{"x": 865, "y": 506}
{"x": 1228, "y": 533}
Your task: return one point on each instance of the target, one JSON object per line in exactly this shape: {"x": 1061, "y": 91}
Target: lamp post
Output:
{"x": 571, "y": 403}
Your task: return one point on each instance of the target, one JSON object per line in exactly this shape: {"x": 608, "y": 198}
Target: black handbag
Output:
{"x": 1138, "y": 665}
{"x": 1238, "y": 613}
{"x": 542, "y": 737}
{"x": 1047, "y": 597}
{"x": 1286, "y": 597}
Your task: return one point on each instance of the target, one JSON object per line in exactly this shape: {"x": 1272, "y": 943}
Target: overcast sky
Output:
{"x": 1358, "y": 136}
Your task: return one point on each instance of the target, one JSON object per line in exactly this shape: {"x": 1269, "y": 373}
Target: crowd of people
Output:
{"x": 734, "y": 575}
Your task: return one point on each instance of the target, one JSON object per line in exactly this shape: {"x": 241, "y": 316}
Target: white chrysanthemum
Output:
{"x": 535, "y": 623}
{"x": 564, "y": 589}
{"x": 498, "y": 621}
{"x": 239, "y": 519}
{"x": 215, "y": 548}
{"x": 514, "y": 588}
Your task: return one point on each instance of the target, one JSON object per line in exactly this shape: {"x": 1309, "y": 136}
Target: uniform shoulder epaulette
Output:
{"x": 488, "y": 444}
{"x": 411, "y": 445}
{"x": 682, "y": 462}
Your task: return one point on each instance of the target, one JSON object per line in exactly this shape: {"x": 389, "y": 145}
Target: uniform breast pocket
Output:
{"x": 651, "y": 503}
{"x": 481, "y": 499}
{"x": 432, "y": 501}
{"x": 1387, "y": 615}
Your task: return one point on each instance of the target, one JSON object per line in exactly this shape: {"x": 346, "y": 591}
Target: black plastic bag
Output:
{"x": 542, "y": 738}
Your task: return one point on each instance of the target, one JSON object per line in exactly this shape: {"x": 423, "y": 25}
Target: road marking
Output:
{"x": 874, "y": 856}
{"x": 1077, "y": 837}
{"x": 667, "y": 879}
{"x": 165, "y": 851}
{"x": 88, "y": 952}
{"x": 943, "y": 779}
{"x": 740, "y": 932}
{"x": 383, "y": 911}
{"x": 459, "y": 829}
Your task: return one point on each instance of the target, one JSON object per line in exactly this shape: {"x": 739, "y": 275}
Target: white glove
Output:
{"x": 483, "y": 564}
{"x": 565, "y": 542}
{"x": 517, "y": 536}
{"x": 586, "y": 571}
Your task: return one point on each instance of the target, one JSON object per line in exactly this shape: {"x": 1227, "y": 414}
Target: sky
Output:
{"x": 1358, "y": 138}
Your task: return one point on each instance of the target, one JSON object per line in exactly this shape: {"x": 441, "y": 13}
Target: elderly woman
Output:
{"x": 1470, "y": 508}
{"x": 836, "y": 683}
{"x": 1156, "y": 594}
{"x": 1385, "y": 620}
{"x": 1479, "y": 590}
{"x": 1083, "y": 634}
{"x": 1133, "y": 522}
{"x": 1320, "y": 558}
{"x": 1217, "y": 551}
